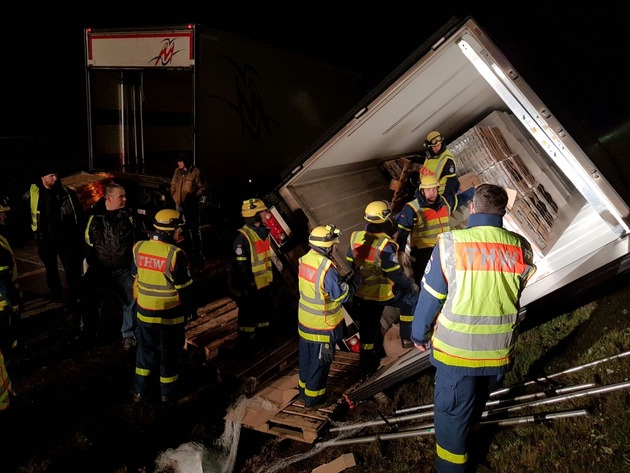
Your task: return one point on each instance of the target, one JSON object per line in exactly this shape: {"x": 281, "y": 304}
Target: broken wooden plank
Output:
{"x": 216, "y": 334}
{"x": 219, "y": 347}
{"x": 209, "y": 325}
{"x": 213, "y": 309}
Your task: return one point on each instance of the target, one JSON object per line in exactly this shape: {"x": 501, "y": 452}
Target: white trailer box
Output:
{"x": 463, "y": 86}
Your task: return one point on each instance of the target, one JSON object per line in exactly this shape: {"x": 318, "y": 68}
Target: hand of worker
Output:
{"x": 421, "y": 346}
{"x": 356, "y": 280}
{"x": 326, "y": 352}
{"x": 415, "y": 288}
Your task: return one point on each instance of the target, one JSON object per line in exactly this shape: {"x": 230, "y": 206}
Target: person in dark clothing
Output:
{"x": 252, "y": 274}
{"x": 188, "y": 188}
{"x": 165, "y": 298}
{"x": 110, "y": 234}
{"x": 57, "y": 220}
{"x": 373, "y": 255}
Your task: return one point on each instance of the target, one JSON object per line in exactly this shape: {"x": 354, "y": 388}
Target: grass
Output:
{"x": 599, "y": 441}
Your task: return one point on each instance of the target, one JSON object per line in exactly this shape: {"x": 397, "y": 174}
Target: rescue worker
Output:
{"x": 440, "y": 163}
{"x": 252, "y": 275}
{"x": 188, "y": 188}
{"x": 468, "y": 309}
{"x": 164, "y": 292}
{"x": 6, "y": 386}
{"x": 320, "y": 314}
{"x": 10, "y": 308}
{"x": 57, "y": 221}
{"x": 422, "y": 219}
{"x": 373, "y": 255}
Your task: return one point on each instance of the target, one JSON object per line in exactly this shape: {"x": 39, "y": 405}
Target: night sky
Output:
{"x": 572, "y": 56}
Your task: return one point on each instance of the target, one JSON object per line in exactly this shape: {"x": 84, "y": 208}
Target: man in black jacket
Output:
{"x": 56, "y": 222}
{"x": 110, "y": 234}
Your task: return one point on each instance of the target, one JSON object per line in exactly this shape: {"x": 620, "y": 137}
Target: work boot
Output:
{"x": 168, "y": 401}
{"x": 325, "y": 401}
{"x": 406, "y": 343}
{"x": 370, "y": 361}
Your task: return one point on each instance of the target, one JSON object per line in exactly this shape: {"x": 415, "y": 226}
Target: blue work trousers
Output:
{"x": 314, "y": 361}
{"x": 459, "y": 402}
{"x": 158, "y": 357}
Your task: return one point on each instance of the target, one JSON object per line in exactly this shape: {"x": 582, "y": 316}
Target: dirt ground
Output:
{"x": 74, "y": 410}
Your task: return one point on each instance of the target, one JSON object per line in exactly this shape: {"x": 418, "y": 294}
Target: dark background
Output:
{"x": 574, "y": 56}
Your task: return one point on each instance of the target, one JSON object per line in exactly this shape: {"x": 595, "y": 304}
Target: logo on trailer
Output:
{"x": 166, "y": 54}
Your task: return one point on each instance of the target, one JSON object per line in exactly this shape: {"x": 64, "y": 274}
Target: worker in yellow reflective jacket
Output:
{"x": 252, "y": 276}
{"x": 372, "y": 255}
{"x": 10, "y": 304}
{"x": 320, "y": 314}
{"x": 469, "y": 309}
{"x": 440, "y": 163}
{"x": 422, "y": 219}
{"x": 163, "y": 289}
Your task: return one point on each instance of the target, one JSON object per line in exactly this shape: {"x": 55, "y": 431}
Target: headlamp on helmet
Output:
{"x": 167, "y": 220}
{"x": 378, "y": 212}
{"x": 324, "y": 236}
{"x": 251, "y": 207}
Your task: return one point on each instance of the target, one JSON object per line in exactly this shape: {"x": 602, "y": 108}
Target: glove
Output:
{"x": 355, "y": 281}
{"x": 326, "y": 352}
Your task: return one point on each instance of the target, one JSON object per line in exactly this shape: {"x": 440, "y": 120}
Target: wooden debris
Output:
{"x": 215, "y": 328}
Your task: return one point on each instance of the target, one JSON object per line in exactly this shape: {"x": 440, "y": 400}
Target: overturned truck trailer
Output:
{"x": 499, "y": 131}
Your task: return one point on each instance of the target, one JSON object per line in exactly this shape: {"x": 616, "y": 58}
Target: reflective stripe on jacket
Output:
{"x": 67, "y": 208}
{"x": 318, "y": 313}
{"x": 12, "y": 268}
{"x": 260, "y": 256}
{"x": 480, "y": 332}
{"x": 5, "y": 386}
{"x": 428, "y": 224}
{"x": 155, "y": 287}
{"x": 366, "y": 249}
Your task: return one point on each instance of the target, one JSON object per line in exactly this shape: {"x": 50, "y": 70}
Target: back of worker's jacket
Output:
{"x": 480, "y": 333}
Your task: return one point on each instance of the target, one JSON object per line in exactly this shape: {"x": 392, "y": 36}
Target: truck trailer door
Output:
{"x": 140, "y": 98}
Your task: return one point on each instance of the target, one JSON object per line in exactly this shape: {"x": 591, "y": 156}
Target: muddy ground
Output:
{"x": 74, "y": 410}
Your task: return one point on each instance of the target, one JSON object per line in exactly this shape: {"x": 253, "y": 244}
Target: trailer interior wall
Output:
{"x": 445, "y": 91}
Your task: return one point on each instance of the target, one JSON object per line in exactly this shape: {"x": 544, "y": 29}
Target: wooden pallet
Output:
{"x": 263, "y": 365}
{"x": 296, "y": 422}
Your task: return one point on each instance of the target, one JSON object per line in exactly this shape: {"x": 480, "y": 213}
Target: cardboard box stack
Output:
{"x": 497, "y": 152}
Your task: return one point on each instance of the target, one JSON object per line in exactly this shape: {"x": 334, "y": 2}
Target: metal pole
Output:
{"x": 516, "y": 399}
{"x": 429, "y": 429}
{"x": 424, "y": 415}
{"x": 598, "y": 390}
{"x": 500, "y": 392}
